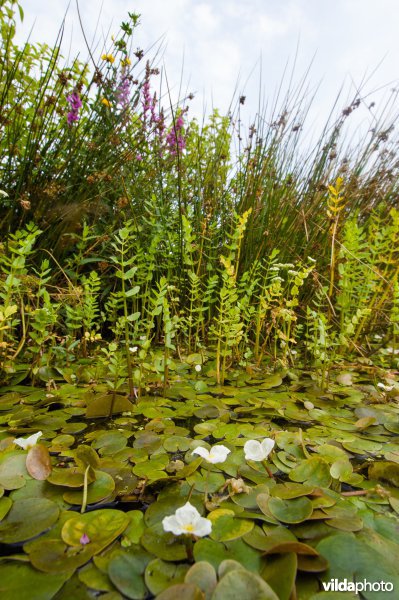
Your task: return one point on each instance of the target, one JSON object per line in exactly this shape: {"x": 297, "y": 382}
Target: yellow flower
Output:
{"x": 106, "y": 102}
{"x": 108, "y": 58}
{"x": 126, "y": 62}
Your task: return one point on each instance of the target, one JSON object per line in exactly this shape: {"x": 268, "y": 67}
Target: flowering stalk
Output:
{"x": 76, "y": 103}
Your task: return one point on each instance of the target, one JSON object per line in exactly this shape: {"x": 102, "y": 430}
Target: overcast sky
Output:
{"x": 224, "y": 41}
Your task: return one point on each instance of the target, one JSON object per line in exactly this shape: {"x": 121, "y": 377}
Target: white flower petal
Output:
{"x": 171, "y": 524}
{"x": 218, "y": 454}
{"x": 253, "y": 450}
{"x": 202, "y": 452}
{"x": 28, "y": 442}
{"x": 267, "y": 446}
{"x": 202, "y": 527}
{"x": 187, "y": 520}
{"x": 187, "y": 514}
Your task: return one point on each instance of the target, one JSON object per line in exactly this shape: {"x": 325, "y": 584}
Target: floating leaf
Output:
{"x": 272, "y": 571}
{"x": 291, "y": 511}
{"x": 182, "y": 591}
{"x": 312, "y": 471}
{"x": 102, "y": 527}
{"x": 203, "y": 575}
{"x": 38, "y": 462}
{"x": 163, "y": 545}
{"x": 160, "y": 575}
{"x": 226, "y": 527}
{"x": 216, "y": 552}
{"x": 28, "y": 518}
{"x": 20, "y": 581}
{"x": 240, "y": 583}
{"x": 101, "y": 488}
{"x": 54, "y": 556}
{"x": 126, "y": 573}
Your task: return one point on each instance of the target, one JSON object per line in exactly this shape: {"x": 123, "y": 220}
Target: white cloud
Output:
{"x": 222, "y": 39}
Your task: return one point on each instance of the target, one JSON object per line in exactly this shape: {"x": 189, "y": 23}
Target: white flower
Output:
{"x": 198, "y": 368}
{"x": 187, "y": 520}
{"x": 28, "y": 442}
{"x": 385, "y": 388}
{"x": 393, "y": 350}
{"x": 217, "y": 454}
{"x": 258, "y": 451}
{"x": 134, "y": 349}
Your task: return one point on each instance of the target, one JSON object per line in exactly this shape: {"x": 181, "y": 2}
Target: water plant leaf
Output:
{"x": 312, "y": 471}
{"x": 227, "y": 527}
{"x": 27, "y": 518}
{"x": 160, "y": 575}
{"x": 291, "y": 511}
{"x": 54, "y": 556}
{"x": 239, "y": 583}
{"x": 126, "y": 573}
{"x": 203, "y": 575}
{"x": 102, "y": 526}
{"x": 20, "y": 581}
{"x": 98, "y": 490}
{"x": 272, "y": 574}
{"x": 216, "y": 552}
{"x": 183, "y": 591}
{"x": 38, "y": 462}
{"x": 163, "y": 545}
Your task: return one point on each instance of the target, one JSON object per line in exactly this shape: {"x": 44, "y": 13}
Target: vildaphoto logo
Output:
{"x": 337, "y": 585}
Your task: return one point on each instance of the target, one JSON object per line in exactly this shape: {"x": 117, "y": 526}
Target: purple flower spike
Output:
{"x": 76, "y": 103}
{"x": 123, "y": 91}
{"x": 84, "y": 539}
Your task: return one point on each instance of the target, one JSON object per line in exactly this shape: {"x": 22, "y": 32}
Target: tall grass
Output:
{"x": 217, "y": 226}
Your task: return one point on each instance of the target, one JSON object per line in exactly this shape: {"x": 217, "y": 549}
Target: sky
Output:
{"x": 218, "y": 48}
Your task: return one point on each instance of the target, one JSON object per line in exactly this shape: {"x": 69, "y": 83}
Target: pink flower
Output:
{"x": 84, "y": 539}
{"x": 76, "y": 103}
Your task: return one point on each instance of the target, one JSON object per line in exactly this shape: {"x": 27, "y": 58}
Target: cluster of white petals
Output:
{"x": 217, "y": 454}
{"x": 258, "y": 451}
{"x": 28, "y": 442}
{"x": 187, "y": 520}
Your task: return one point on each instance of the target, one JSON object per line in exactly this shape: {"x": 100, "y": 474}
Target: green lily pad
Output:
{"x": 203, "y": 575}
{"x": 163, "y": 545}
{"x": 13, "y": 473}
{"x": 291, "y": 511}
{"x": 272, "y": 571}
{"x": 126, "y": 573}
{"x": 240, "y": 583}
{"x": 216, "y": 552}
{"x": 19, "y": 581}
{"x": 134, "y": 530}
{"x": 27, "y": 518}
{"x": 160, "y": 575}
{"x": 226, "y": 527}
{"x": 290, "y": 490}
{"x": 5, "y": 505}
{"x": 349, "y": 558}
{"x": 312, "y": 471}
{"x": 54, "y": 556}
{"x": 101, "y": 488}
{"x": 95, "y": 579}
{"x": 183, "y": 591}
{"x": 385, "y": 471}
{"x": 101, "y": 526}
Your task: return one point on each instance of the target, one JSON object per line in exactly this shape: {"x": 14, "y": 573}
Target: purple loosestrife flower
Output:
{"x": 175, "y": 139}
{"x": 123, "y": 91}
{"x": 76, "y": 103}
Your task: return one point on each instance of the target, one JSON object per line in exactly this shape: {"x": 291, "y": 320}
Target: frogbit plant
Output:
{"x": 29, "y": 442}
{"x": 217, "y": 454}
{"x": 259, "y": 452}
{"x": 187, "y": 521}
